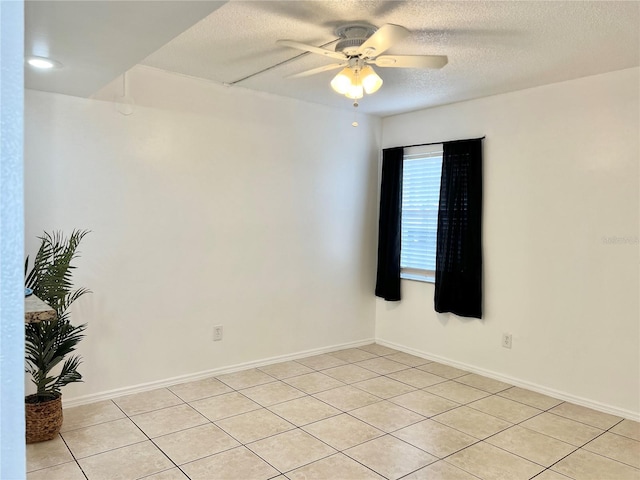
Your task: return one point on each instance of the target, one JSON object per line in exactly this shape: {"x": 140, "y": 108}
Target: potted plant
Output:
{"x": 49, "y": 343}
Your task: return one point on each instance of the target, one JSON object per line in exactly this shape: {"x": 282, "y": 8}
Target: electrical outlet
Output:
{"x": 217, "y": 333}
{"x": 506, "y": 340}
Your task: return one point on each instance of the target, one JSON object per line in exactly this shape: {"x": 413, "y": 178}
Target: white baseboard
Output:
{"x": 620, "y": 412}
{"x": 144, "y": 387}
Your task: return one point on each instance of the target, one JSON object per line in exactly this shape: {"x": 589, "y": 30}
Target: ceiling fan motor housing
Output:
{"x": 352, "y": 36}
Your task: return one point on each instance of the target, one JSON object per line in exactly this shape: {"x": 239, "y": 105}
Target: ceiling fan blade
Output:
{"x": 313, "y": 71}
{"x": 410, "y": 61}
{"x": 312, "y": 49}
{"x": 383, "y": 39}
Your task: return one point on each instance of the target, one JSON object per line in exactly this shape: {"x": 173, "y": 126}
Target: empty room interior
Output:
{"x": 234, "y": 197}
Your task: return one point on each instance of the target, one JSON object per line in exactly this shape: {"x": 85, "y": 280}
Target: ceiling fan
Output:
{"x": 360, "y": 46}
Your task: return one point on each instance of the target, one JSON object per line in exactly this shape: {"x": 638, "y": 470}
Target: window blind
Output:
{"x": 420, "y": 198}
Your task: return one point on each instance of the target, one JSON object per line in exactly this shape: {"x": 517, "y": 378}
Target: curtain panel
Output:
{"x": 458, "y": 286}
{"x": 389, "y": 231}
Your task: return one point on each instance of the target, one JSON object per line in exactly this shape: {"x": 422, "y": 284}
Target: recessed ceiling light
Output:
{"x": 42, "y": 63}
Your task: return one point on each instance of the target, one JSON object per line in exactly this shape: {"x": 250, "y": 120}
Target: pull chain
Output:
{"x": 355, "y": 114}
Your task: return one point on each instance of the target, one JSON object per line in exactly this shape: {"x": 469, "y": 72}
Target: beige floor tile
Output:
{"x": 586, "y": 415}
{"x": 103, "y": 437}
{"x": 91, "y": 414}
{"x": 472, "y": 422}
{"x": 47, "y": 454}
{"x": 483, "y": 383}
{"x": 194, "y": 443}
{"x": 386, "y": 416}
{"x": 408, "y": 359}
{"x": 313, "y": 382}
{"x": 351, "y": 355}
{"x": 147, "y": 401}
{"x": 616, "y": 447}
{"x": 528, "y": 397}
{"x": 345, "y": 383}
{"x": 628, "y": 428}
{"x": 245, "y": 378}
{"x": 350, "y": 373}
{"x": 171, "y": 474}
{"x": 435, "y": 438}
{"x": 342, "y": 431}
{"x": 424, "y": 403}
{"x": 134, "y": 461}
{"x": 285, "y": 369}
{"x": 417, "y": 378}
{"x": 551, "y": 475}
{"x": 236, "y": 464}
{"x": 290, "y": 450}
{"x": 457, "y": 392}
{"x": 347, "y": 398}
{"x": 390, "y": 456}
{"x": 302, "y": 411}
{"x": 272, "y": 393}
{"x": 223, "y": 406}
{"x": 321, "y": 362}
{"x": 531, "y": 445}
{"x": 440, "y": 471}
{"x": 442, "y": 370}
{"x": 66, "y": 471}
{"x": 563, "y": 429}
{"x": 336, "y": 466}
{"x": 514, "y": 412}
{"x": 491, "y": 463}
{"x": 168, "y": 420}
{"x": 378, "y": 349}
{"x": 254, "y": 425}
{"x": 384, "y": 387}
{"x": 583, "y": 465}
{"x": 208, "y": 387}
{"x": 382, "y": 365}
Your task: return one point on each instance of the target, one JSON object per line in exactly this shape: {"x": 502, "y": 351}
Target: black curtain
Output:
{"x": 388, "y": 276}
{"x": 458, "y": 286}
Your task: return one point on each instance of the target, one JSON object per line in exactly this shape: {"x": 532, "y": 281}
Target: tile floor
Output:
{"x": 360, "y": 413}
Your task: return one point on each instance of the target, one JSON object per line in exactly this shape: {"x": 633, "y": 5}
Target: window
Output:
{"x": 420, "y": 197}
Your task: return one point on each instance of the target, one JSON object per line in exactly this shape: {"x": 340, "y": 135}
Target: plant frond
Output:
{"x": 68, "y": 374}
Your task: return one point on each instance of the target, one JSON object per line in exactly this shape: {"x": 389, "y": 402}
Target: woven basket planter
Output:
{"x": 43, "y": 420}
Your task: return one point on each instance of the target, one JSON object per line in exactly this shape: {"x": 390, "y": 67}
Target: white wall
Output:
{"x": 207, "y": 206}
{"x": 561, "y": 177}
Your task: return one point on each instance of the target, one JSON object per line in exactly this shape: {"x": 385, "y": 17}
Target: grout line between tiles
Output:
{"x": 441, "y": 460}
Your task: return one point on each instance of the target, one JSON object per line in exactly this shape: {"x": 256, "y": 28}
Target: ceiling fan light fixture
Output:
{"x": 342, "y": 81}
{"x": 355, "y": 92}
{"x": 371, "y": 81}
{"x": 353, "y": 81}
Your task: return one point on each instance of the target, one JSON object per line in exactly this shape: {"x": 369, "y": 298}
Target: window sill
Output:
{"x": 419, "y": 277}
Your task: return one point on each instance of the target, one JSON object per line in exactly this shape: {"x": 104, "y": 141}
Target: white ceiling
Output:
{"x": 98, "y": 40}
{"x": 493, "y": 47}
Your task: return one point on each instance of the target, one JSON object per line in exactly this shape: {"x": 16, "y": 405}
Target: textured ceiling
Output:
{"x": 493, "y": 47}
